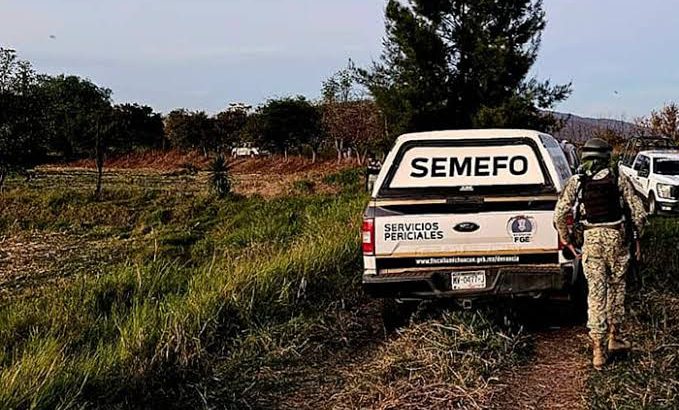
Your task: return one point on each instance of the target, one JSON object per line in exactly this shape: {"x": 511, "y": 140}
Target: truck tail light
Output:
{"x": 368, "y": 236}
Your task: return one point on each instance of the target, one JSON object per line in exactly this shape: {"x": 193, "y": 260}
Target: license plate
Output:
{"x": 468, "y": 280}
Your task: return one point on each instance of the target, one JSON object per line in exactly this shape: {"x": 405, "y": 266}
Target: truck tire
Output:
{"x": 397, "y": 313}
{"x": 652, "y": 204}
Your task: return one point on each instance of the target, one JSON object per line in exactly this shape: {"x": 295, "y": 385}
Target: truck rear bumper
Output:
{"x": 527, "y": 280}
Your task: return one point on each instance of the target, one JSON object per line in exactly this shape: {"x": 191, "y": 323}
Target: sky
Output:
{"x": 203, "y": 54}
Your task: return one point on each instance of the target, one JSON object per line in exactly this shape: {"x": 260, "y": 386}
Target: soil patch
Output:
{"x": 554, "y": 378}
{"x": 174, "y": 160}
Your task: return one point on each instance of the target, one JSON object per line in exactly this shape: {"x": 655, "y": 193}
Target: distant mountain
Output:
{"x": 580, "y": 129}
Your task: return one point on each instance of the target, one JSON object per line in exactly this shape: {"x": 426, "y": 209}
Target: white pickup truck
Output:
{"x": 655, "y": 176}
{"x": 467, "y": 214}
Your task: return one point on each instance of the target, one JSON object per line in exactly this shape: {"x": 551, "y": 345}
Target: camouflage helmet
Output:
{"x": 596, "y": 148}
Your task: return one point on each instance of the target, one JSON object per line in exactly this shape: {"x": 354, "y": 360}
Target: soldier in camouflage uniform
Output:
{"x": 600, "y": 196}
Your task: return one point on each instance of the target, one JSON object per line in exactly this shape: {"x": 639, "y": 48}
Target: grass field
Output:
{"x": 158, "y": 296}
{"x": 201, "y": 273}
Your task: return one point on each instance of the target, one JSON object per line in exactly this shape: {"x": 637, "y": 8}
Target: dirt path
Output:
{"x": 554, "y": 378}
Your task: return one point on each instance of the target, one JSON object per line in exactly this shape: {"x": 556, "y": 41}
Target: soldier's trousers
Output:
{"x": 605, "y": 260}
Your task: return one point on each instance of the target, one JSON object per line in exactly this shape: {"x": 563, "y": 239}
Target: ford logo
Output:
{"x": 466, "y": 227}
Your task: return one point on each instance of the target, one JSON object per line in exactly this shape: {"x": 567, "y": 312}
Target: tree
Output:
{"x": 358, "y": 125}
{"x": 204, "y": 132}
{"x": 663, "y": 122}
{"x": 81, "y": 121}
{"x": 349, "y": 118}
{"x": 192, "y": 130}
{"x": 178, "y": 128}
{"x": 460, "y": 64}
{"x": 73, "y": 106}
{"x": 21, "y": 125}
{"x": 137, "y": 127}
{"x": 369, "y": 128}
{"x": 339, "y": 93}
{"x": 230, "y": 125}
{"x": 310, "y": 130}
{"x": 290, "y": 122}
{"x": 252, "y": 131}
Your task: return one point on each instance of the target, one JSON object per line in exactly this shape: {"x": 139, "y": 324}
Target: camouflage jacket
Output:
{"x": 569, "y": 196}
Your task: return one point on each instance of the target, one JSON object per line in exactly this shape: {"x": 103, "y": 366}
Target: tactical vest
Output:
{"x": 601, "y": 199}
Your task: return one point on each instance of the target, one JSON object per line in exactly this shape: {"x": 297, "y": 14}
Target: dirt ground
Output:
{"x": 555, "y": 376}
{"x": 175, "y": 160}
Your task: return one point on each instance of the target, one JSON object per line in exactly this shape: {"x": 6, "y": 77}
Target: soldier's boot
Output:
{"x": 616, "y": 343}
{"x": 598, "y": 353}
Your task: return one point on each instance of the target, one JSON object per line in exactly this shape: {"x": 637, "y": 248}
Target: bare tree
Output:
{"x": 663, "y": 122}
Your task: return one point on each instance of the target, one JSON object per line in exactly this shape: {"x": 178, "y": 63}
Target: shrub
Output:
{"x": 304, "y": 186}
{"x": 347, "y": 178}
{"x": 220, "y": 181}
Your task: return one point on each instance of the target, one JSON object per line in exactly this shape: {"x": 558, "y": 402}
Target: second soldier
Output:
{"x": 600, "y": 197}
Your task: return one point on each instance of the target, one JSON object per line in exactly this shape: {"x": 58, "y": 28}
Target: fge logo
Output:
{"x": 521, "y": 229}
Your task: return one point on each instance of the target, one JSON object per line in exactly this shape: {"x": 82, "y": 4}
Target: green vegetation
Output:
{"x": 208, "y": 272}
{"x": 347, "y": 179}
{"x": 649, "y": 376}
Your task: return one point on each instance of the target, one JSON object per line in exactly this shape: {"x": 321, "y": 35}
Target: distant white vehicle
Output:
{"x": 247, "y": 151}
{"x": 655, "y": 175}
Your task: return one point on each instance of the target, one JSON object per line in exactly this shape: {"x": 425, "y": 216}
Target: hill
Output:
{"x": 580, "y": 129}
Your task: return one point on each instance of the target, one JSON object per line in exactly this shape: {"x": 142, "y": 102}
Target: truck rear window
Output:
{"x": 460, "y": 166}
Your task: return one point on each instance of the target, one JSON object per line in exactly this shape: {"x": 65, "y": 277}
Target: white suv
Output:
{"x": 467, "y": 214}
{"x": 655, "y": 175}
{"x": 247, "y": 151}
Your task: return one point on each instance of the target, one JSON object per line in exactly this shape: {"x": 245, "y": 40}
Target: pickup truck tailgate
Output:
{"x": 465, "y": 239}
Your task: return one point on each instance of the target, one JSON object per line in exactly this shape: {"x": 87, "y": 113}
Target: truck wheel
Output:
{"x": 652, "y": 205}
{"x": 397, "y": 313}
